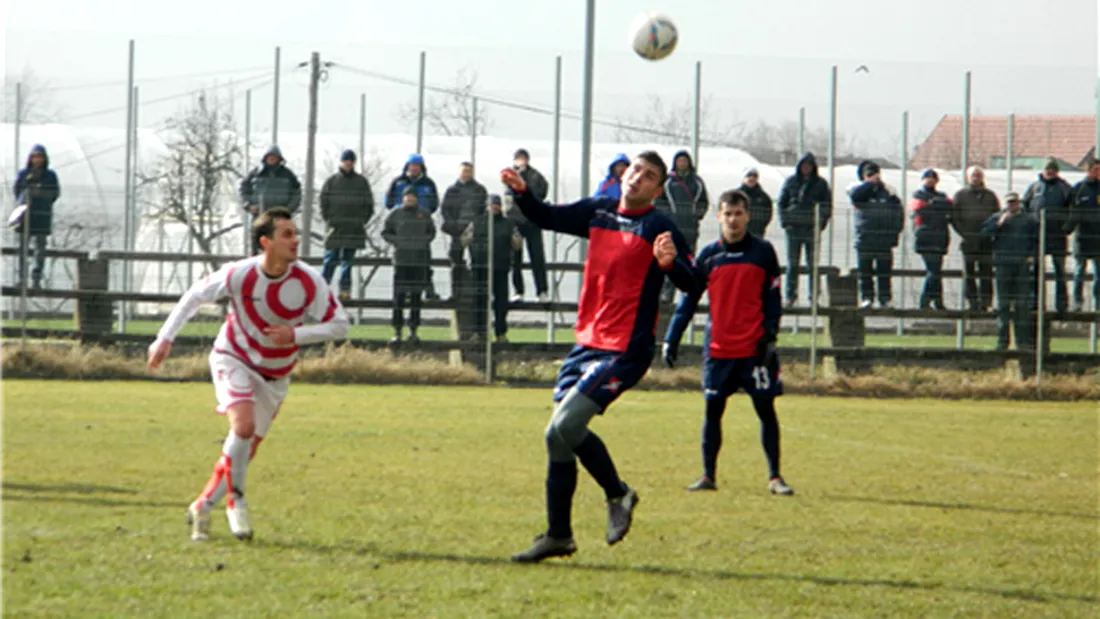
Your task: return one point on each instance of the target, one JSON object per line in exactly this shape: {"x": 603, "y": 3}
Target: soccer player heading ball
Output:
{"x": 269, "y": 296}
{"x": 632, "y": 248}
{"x": 740, "y": 273}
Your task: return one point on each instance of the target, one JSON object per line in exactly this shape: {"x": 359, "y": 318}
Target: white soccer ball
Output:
{"x": 653, "y": 36}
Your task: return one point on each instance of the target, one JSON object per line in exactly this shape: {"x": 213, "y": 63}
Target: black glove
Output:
{"x": 669, "y": 352}
{"x": 765, "y": 350}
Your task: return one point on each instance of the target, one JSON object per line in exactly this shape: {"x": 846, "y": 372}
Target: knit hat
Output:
{"x": 1012, "y": 196}
{"x": 495, "y": 199}
{"x": 347, "y": 155}
{"x": 929, "y": 173}
{"x": 867, "y": 168}
{"x": 752, "y": 172}
{"x": 410, "y": 190}
{"x": 521, "y": 152}
{"x": 1052, "y": 164}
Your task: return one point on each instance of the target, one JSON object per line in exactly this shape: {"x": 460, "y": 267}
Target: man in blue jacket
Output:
{"x": 879, "y": 219}
{"x": 611, "y": 185}
{"x": 37, "y": 187}
{"x": 415, "y": 175}
{"x": 798, "y": 196}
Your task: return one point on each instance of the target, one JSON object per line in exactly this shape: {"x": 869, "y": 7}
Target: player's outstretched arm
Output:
{"x": 773, "y": 302}
{"x": 332, "y": 320}
{"x": 682, "y": 272}
{"x": 566, "y": 218}
{"x": 685, "y": 310}
{"x": 209, "y": 289}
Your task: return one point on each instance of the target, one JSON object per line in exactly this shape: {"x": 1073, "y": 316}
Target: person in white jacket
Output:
{"x": 269, "y": 297}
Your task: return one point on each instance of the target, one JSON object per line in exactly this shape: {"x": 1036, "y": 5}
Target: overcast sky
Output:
{"x": 760, "y": 59}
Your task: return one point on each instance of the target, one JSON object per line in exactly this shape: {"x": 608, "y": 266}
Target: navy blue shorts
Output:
{"x": 602, "y": 375}
{"x": 724, "y": 377}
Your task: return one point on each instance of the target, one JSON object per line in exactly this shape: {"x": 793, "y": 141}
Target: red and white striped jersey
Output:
{"x": 257, "y": 301}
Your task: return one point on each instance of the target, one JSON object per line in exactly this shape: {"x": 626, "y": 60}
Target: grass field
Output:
{"x": 799, "y": 340}
{"x": 378, "y": 502}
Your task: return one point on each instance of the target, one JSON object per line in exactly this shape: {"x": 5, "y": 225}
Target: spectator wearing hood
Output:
{"x": 760, "y": 203}
{"x": 1084, "y": 219}
{"x": 931, "y": 213}
{"x": 878, "y": 219}
{"x": 268, "y": 185}
{"x": 1051, "y": 195}
{"x": 799, "y": 195}
{"x": 1014, "y": 234}
{"x": 415, "y": 175}
{"x": 347, "y": 205}
{"x": 532, "y": 234}
{"x": 611, "y": 185}
{"x": 491, "y": 276}
{"x": 685, "y": 200}
{"x": 410, "y": 231}
{"x": 971, "y": 207}
{"x": 37, "y": 188}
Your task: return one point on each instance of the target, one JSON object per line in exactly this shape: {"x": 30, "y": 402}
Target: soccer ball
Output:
{"x": 653, "y": 36}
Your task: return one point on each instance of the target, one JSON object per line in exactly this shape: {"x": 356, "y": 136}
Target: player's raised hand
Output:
{"x": 280, "y": 335}
{"x": 158, "y": 352}
{"x": 664, "y": 250}
{"x": 512, "y": 179}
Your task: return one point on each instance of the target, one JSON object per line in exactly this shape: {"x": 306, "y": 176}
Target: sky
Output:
{"x": 760, "y": 60}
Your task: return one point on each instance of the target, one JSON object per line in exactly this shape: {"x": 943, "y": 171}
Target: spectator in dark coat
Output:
{"x": 532, "y": 234}
{"x": 611, "y": 185}
{"x": 971, "y": 207}
{"x": 760, "y": 203}
{"x": 931, "y": 213}
{"x": 1014, "y": 234}
{"x": 1052, "y": 195}
{"x": 878, "y": 219}
{"x": 463, "y": 201}
{"x": 268, "y": 185}
{"x": 491, "y": 279}
{"x": 685, "y": 200}
{"x": 37, "y": 188}
{"x": 415, "y": 175}
{"x": 1084, "y": 219}
{"x": 347, "y": 205}
{"x": 410, "y": 230}
{"x": 799, "y": 195}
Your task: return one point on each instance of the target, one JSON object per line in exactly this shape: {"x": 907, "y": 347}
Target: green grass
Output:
{"x": 399, "y": 502}
{"x": 523, "y": 335}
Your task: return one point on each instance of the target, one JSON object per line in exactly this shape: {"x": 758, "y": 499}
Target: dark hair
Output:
{"x": 465, "y": 164}
{"x": 734, "y": 197}
{"x": 264, "y": 225}
{"x": 651, "y": 156}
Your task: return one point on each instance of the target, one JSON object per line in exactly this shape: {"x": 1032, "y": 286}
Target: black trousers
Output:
{"x": 797, "y": 241}
{"x": 875, "y": 268}
{"x": 408, "y": 286}
{"x": 978, "y": 275}
{"x": 483, "y": 288}
{"x": 536, "y": 253}
{"x": 1015, "y": 300}
{"x": 1061, "y": 282}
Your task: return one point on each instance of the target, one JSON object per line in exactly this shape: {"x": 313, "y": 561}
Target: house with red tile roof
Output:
{"x": 1069, "y": 139}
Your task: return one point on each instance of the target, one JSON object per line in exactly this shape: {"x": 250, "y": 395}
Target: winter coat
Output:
{"x": 347, "y": 205}
{"x": 1016, "y": 240}
{"x": 537, "y": 185}
{"x": 503, "y": 229}
{"x": 38, "y": 188}
{"x": 410, "y": 230}
{"x": 685, "y": 199}
{"x": 877, "y": 216}
{"x": 972, "y": 206}
{"x": 1055, "y": 198}
{"x": 798, "y": 196}
{"x": 426, "y": 194}
{"x": 611, "y": 185}
{"x": 269, "y": 186}
{"x": 931, "y": 213}
{"x": 1084, "y": 218}
{"x": 462, "y": 203}
{"x": 760, "y": 209}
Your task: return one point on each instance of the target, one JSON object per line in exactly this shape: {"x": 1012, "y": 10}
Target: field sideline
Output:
{"x": 407, "y": 501}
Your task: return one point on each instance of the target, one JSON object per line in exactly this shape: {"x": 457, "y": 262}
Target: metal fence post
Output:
{"x": 555, "y": 282}
{"x": 832, "y": 163}
{"x": 905, "y": 227}
{"x": 814, "y": 292}
{"x": 420, "y": 102}
{"x": 1040, "y": 328}
{"x": 489, "y": 301}
{"x": 1010, "y": 155}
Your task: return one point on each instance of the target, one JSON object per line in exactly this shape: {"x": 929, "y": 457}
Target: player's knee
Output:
{"x": 242, "y": 420}
{"x": 556, "y": 446}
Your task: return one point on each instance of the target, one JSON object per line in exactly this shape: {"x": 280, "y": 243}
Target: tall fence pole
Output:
{"x": 697, "y": 111}
{"x": 1040, "y": 328}
{"x": 362, "y": 158}
{"x": 473, "y": 132}
{"x": 127, "y": 172}
{"x": 801, "y": 132}
{"x": 960, "y": 324}
{"x": 246, "y": 229}
{"x": 488, "y": 282}
{"x": 20, "y": 264}
{"x": 420, "y": 102}
{"x": 311, "y": 152}
{"x": 905, "y": 228}
{"x": 815, "y": 259}
{"x": 832, "y": 166}
{"x": 275, "y": 97}
{"x": 1010, "y": 152}
{"x": 586, "y": 112}
{"x": 555, "y": 293}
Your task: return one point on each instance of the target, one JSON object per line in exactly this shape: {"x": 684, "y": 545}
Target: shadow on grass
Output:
{"x": 90, "y": 501}
{"x": 961, "y": 506}
{"x": 69, "y": 488}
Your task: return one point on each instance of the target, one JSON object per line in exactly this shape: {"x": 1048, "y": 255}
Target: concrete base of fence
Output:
{"x": 94, "y": 316}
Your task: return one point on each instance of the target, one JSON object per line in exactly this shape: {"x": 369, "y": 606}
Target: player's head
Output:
{"x": 733, "y": 215}
{"x": 275, "y": 232}
{"x": 465, "y": 171}
{"x": 644, "y": 179}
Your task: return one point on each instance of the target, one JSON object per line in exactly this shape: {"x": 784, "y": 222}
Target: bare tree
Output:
{"x": 195, "y": 180}
{"x": 451, "y": 113}
{"x": 36, "y": 104}
{"x": 671, "y": 123}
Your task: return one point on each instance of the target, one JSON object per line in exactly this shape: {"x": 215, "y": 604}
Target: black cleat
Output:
{"x": 620, "y": 514}
{"x": 703, "y": 483}
{"x": 546, "y": 547}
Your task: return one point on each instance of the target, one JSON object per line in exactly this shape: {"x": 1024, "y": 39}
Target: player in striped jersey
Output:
{"x": 269, "y": 297}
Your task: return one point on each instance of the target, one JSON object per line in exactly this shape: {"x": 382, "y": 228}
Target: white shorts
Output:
{"x": 235, "y": 382}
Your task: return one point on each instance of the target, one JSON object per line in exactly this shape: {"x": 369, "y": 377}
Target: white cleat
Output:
{"x": 238, "y": 520}
{"x": 198, "y": 516}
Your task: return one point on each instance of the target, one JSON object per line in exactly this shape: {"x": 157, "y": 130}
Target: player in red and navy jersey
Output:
{"x": 740, "y": 274}
{"x": 632, "y": 249}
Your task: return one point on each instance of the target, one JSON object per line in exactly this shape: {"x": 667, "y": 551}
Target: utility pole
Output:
{"x": 311, "y": 151}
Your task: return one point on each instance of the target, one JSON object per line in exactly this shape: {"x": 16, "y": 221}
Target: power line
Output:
{"x": 265, "y": 79}
{"x": 162, "y": 78}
